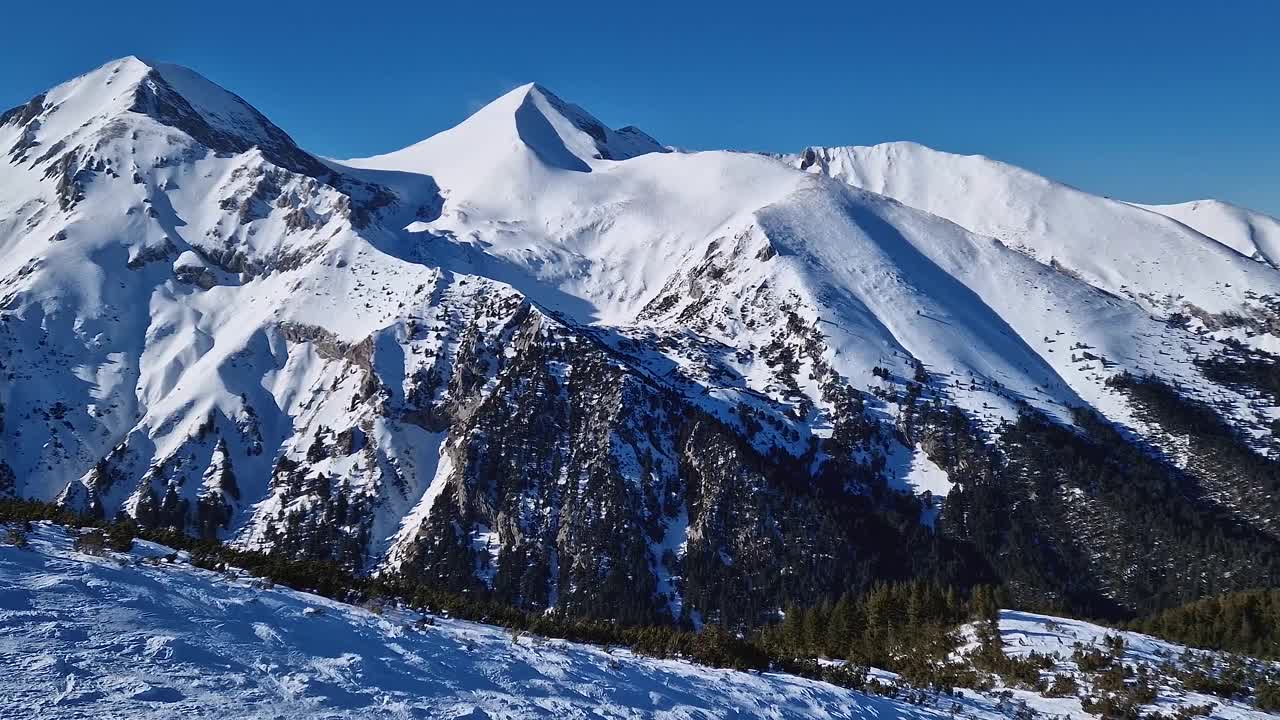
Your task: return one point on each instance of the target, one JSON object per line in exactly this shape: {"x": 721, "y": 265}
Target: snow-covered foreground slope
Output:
{"x": 120, "y": 637}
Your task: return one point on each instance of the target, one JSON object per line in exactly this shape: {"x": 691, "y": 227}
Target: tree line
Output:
{"x": 1246, "y": 622}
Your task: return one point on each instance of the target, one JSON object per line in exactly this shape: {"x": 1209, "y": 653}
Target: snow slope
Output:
{"x": 87, "y": 637}
{"x": 639, "y": 241}
{"x": 1249, "y": 233}
{"x": 1123, "y": 249}
{"x": 84, "y": 636}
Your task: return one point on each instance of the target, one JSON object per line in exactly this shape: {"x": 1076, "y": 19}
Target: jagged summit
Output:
{"x": 96, "y": 107}
{"x": 605, "y": 143}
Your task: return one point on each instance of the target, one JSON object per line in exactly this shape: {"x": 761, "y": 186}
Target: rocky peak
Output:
{"x": 101, "y": 104}
{"x": 609, "y": 144}
{"x": 223, "y": 122}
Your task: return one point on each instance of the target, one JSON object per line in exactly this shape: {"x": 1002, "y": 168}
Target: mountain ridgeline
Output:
{"x": 539, "y": 360}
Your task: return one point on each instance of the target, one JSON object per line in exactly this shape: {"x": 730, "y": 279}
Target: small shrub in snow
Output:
{"x": 1113, "y": 679}
{"x": 1114, "y": 644}
{"x": 1186, "y": 712}
{"x": 119, "y": 536}
{"x": 1091, "y": 660}
{"x": 91, "y": 542}
{"x": 1268, "y": 694}
{"x": 1206, "y": 682}
{"x": 17, "y": 538}
{"x": 1112, "y": 707}
{"x": 1063, "y": 685}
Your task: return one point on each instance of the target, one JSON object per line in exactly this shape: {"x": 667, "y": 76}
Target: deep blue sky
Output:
{"x": 1147, "y": 101}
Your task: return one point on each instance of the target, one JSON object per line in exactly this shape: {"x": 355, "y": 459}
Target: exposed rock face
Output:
{"x": 563, "y": 466}
{"x": 156, "y": 97}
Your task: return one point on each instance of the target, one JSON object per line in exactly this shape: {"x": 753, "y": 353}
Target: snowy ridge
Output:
{"x": 1249, "y": 233}
{"x": 1118, "y": 247}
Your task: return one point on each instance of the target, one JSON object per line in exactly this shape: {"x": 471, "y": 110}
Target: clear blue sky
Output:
{"x": 1148, "y": 101}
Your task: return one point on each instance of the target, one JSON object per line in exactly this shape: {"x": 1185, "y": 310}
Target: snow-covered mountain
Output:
{"x": 140, "y": 637}
{"x": 562, "y": 363}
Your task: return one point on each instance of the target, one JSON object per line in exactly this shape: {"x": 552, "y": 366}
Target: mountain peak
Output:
{"x": 570, "y": 122}
{"x": 134, "y": 61}
{"x": 527, "y": 88}
{"x": 560, "y": 134}
{"x": 80, "y": 110}
{"x": 219, "y": 119}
